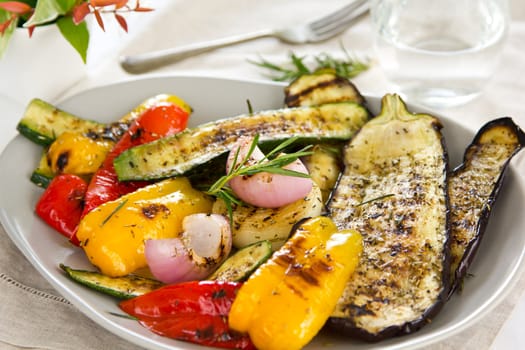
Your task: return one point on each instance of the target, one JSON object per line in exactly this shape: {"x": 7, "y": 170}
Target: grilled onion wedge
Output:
{"x": 474, "y": 187}
{"x": 393, "y": 190}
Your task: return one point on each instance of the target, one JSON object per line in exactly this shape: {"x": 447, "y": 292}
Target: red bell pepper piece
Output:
{"x": 188, "y": 297}
{"x": 195, "y": 311}
{"x": 161, "y": 120}
{"x": 61, "y": 204}
{"x": 205, "y": 330}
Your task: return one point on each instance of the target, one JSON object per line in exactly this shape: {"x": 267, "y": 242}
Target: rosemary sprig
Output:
{"x": 273, "y": 162}
{"x": 348, "y": 67}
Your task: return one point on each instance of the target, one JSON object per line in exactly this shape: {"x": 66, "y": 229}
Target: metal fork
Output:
{"x": 315, "y": 31}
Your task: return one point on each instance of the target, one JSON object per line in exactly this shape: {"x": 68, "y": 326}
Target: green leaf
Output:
{"x": 5, "y": 38}
{"x": 46, "y": 11}
{"x": 4, "y": 15}
{"x": 77, "y": 35}
{"x": 66, "y": 5}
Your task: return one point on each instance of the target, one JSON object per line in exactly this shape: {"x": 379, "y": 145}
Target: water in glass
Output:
{"x": 439, "y": 52}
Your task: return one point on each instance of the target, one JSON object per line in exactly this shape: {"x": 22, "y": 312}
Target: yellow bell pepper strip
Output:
{"x": 75, "y": 153}
{"x": 113, "y": 234}
{"x": 285, "y": 303}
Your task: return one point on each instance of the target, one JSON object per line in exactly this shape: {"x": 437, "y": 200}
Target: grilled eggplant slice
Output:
{"x": 318, "y": 88}
{"x": 474, "y": 187}
{"x": 393, "y": 190}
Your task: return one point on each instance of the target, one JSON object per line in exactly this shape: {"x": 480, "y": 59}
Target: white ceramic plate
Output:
{"x": 494, "y": 270}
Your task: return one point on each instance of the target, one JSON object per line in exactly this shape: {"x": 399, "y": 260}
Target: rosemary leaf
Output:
{"x": 228, "y": 201}
{"x": 117, "y": 208}
{"x": 281, "y": 146}
{"x": 249, "y": 105}
{"x": 285, "y": 74}
{"x": 276, "y": 163}
{"x": 298, "y": 62}
{"x": 251, "y": 149}
{"x": 288, "y": 158}
{"x": 347, "y": 67}
{"x": 375, "y": 199}
{"x": 286, "y": 172}
{"x": 123, "y": 315}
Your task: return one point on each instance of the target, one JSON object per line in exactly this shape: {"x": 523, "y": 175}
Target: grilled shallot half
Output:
{"x": 265, "y": 189}
{"x": 205, "y": 243}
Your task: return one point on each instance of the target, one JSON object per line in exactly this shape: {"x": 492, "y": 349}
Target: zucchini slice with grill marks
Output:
{"x": 474, "y": 187}
{"x": 319, "y": 88}
{"x": 43, "y": 174}
{"x": 125, "y": 287}
{"x": 240, "y": 265}
{"x": 324, "y": 166}
{"x": 42, "y": 122}
{"x": 184, "y": 151}
{"x": 315, "y": 89}
{"x": 393, "y": 190}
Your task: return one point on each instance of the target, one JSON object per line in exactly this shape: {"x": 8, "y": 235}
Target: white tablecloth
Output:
{"x": 33, "y": 315}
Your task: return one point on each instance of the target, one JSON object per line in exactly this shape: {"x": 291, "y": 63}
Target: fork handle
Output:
{"x": 145, "y": 62}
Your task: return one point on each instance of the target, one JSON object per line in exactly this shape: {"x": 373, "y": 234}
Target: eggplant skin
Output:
{"x": 474, "y": 187}
{"x": 393, "y": 190}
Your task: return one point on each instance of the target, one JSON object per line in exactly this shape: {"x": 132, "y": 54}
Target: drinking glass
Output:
{"x": 439, "y": 53}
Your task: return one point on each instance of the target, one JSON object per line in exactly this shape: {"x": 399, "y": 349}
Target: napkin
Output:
{"x": 34, "y": 316}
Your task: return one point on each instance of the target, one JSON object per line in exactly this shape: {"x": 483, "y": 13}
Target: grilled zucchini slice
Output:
{"x": 184, "y": 151}
{"x": 474, "y": 187}
{"x": 324, "y": 166}
{"x": 43, "y": 122}
{"x": 319, "y": 88}
{"x": 125, "y": 287}
{"x": 251, "y": 224}
{"x": 393, "y": 190}
{"x": 239, "y": 266}
{"x": 43, "y": 174}
{"x": 315, "y": 89}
